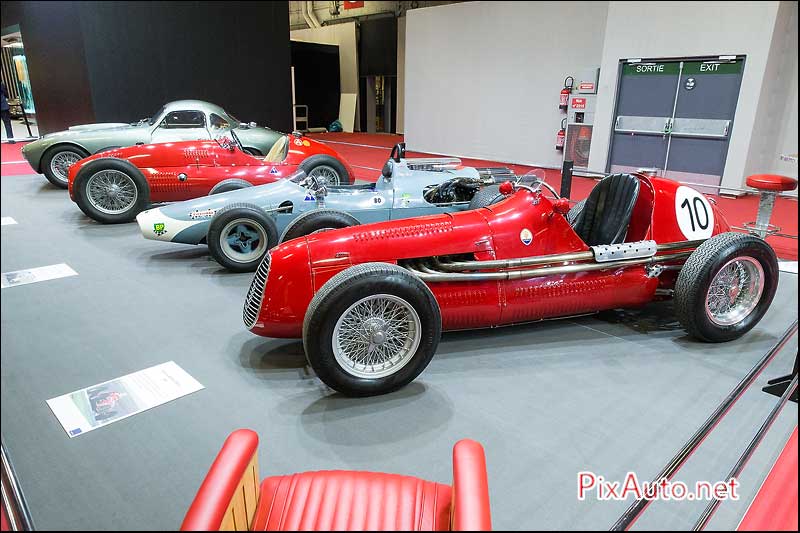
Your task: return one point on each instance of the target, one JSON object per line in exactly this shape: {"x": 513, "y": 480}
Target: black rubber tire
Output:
{"x": 693, "y": 282}
{"x": 254, "y": 215}
{"x": 314, "y": 161}
{"x": 252, "y": 151}
{"x": 106, "y": 148}
{"x": 317, "y": 220}
{"x": 48, "y": 157}
{"x": 575, "y": 211}
{"x": 486, "y": 196}
{"x": 343, "y": 290}
{"x": 121, "y": 165}
{"x": 229, "y": 185}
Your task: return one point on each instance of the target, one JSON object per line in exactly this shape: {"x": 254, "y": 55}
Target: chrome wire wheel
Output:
{"x": 242, "y": 240}
{"x": 61, "y": 162}
{"x": 111, "y": 192}
{"x": 325, "y": 175}
{"x": 735, "y": 291}
{"x": 376, "y": 336}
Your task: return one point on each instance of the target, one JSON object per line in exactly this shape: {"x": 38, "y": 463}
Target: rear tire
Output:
{"x": 726, "y": 286}
{"x": 111, "y": 191}
{"x": 326, "y": 168}
{"x": 229, "y": 185}
{"x": 317, "y": 220}
{"x": 240, "y": 235}
{"x": 56, "y": 162}
{"x": 371, "y": 329}
{"x": 486, "y": 196}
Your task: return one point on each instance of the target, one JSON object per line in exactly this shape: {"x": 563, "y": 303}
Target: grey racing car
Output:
{"x": 240, "y": 226}
{"x": 182, "y": 120}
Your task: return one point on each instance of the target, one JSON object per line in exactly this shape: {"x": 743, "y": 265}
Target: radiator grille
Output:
{"x": 252, "y": 304}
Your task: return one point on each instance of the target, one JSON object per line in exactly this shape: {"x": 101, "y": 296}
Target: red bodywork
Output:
{"x": 300, "y": 267}
{"x": 205, "y": 164}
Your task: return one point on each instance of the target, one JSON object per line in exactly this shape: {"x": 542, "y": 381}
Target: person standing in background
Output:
{"x": 4, "y": 109}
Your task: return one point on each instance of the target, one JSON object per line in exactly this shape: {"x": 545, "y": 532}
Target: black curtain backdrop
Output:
{"x": 121, "y": 61}
{"x": 316, "y": 81}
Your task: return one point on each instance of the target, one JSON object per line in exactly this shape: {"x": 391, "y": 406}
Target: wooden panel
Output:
{"x": 242, "y": 508}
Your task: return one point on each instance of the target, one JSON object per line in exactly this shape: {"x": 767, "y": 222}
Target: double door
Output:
{"x": 676, "y": 117}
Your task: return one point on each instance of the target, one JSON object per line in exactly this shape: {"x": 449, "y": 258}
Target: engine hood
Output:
{"x": 445, "y": 234}
{"x": 100, "y": 126}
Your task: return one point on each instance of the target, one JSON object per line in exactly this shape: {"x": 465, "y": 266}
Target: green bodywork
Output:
{"x": 93, "y": 138}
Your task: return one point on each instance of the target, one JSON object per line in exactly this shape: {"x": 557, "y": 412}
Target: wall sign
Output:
{"x": 690, "y": 83}
{"x": 579, "y": 103}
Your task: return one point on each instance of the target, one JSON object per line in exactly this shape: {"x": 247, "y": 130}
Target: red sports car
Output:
{"x": 370, "y": 302}
{"x": 116, "y": 185}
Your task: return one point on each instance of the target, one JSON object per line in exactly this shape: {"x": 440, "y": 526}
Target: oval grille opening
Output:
{"x": 252, "y": 304}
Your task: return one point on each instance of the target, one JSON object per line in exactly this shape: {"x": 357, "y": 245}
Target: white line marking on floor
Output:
{"x": 788, "y": 266}
{"x": 13, "y": 162}
{"x": 7, "y": 221}
{"x": 35, "y": 275}
{"x": 354, "y": 144}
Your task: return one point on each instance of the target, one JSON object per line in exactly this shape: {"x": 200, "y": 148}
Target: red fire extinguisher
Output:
{"x": 561, "y": 135}
{"x": 565, "y": 92}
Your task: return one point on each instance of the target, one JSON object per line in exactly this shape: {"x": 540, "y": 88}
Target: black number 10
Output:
{"x": 694, "y": 213}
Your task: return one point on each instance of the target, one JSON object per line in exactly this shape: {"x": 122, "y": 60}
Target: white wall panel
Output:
{"x": 482, "y": 78}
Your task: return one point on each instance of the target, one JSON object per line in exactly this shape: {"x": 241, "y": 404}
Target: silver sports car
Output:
{"x": 183, "y": 120}
{"x": 240, "y": 226}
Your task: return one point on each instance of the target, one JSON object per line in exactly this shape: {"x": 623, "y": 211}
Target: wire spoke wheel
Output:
{"x": 61, "y": 162}
{"x": 243, "y": 240}
{"x": 735, "y": 291}
{"x": 376, "y": 336}
{"x": 325, "y": 175}
{"x": 111, "y": 192}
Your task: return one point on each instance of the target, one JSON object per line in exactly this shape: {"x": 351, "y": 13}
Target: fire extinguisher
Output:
{"x": 561, "y": 135}
{"x": 565, "y": 92}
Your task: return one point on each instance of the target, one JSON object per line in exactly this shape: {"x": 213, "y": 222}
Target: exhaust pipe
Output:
{"x": 458, "y": 266}
{"x": 425, "y": 273}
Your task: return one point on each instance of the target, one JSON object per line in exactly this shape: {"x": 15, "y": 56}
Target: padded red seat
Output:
{"x": 771, "y": 182}
{"x": 230, "y": 497}
{"x": 352, "y": 501}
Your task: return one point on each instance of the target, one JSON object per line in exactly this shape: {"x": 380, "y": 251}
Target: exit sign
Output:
{"x": 579, "y": 103}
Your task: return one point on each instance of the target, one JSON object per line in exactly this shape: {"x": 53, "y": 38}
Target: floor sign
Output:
{"x": 35, "y": 275}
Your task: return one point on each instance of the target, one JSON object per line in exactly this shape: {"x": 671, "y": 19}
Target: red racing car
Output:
{"x": 116, "y": 185}
{"x": 370, "y": 302}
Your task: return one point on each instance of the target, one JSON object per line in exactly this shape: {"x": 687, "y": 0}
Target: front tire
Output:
{"x": 726, "y": 286}
{"x": 317, "y": 220}
{"x": 240, "y": 235}
{"x": 371, "y": 329}
{"x": 111, "y": 191}
{"x": 56, "y": 162}
{"x": 327, "y": 170}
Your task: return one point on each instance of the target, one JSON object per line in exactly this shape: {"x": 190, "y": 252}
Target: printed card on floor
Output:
{"x": 99, "y": 405}
{"x": 7, "y": 221}
{"x": 35, "y": 275}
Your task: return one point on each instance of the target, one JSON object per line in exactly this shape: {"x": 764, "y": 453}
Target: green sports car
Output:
{"x": 182, "y": 120}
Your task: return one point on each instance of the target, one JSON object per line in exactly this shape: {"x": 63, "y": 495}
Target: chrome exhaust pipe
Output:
{"x": 425, "y": 273}
{"x": 458, "y": 266}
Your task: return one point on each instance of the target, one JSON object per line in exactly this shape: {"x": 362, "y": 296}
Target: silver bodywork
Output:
{"x": 398, "y": 196}
{"x": 93, "y": 138}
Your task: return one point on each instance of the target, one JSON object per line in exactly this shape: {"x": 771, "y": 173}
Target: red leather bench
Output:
{"x": 768, "y": 186}
{"x": 231, "y": 497}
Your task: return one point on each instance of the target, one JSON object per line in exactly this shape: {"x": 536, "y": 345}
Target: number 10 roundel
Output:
{"x": 694, "y": 214}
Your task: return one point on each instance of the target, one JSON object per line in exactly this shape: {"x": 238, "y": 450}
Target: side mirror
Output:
{"x": 388, "y": 169}
{"x": 561, "y": 206}
{"x": 398, "y": 152}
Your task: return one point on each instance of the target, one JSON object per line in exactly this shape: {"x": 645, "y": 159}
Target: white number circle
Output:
{"x": 694, "y": 214}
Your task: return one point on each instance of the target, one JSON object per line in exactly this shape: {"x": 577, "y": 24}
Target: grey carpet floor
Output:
{"x": 613, "y": 393}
